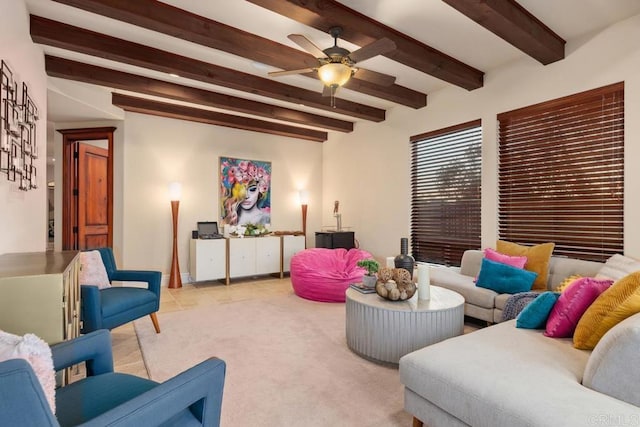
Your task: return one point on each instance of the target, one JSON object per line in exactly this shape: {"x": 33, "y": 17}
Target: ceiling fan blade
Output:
{"x": 378, "y": 47}
{"x": 307, "y": 45}
{"x": 289, "y": 72}
{"x": 375, "y": 77}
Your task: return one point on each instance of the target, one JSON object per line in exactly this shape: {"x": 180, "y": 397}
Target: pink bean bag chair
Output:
{"x": 325, "y": 274}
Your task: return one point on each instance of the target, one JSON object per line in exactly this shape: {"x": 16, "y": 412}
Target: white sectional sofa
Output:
{"x": 485, "y": 304}
{"x": 504, "y": 376}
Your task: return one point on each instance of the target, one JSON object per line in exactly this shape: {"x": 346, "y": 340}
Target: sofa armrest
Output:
{"x": 611, "y": 368}
{"x": 152, "y": 278}
{"x": 199, "y": 389}
{"x": 22, "y": 400}
{"x": 90, "y": 308}
{"x": 93, "y": 348}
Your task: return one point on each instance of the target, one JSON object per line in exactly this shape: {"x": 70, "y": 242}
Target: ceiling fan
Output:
{"x": 337, "y": 65}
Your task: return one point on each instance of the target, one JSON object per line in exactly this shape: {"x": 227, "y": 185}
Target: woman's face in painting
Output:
{"x": 251, "y": 197}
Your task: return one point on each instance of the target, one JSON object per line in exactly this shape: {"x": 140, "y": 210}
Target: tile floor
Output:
{"x": 126, "y": 350}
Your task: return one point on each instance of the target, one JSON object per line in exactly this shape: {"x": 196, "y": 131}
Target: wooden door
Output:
{"x": 93, "y": 197}
{"x": 87, "y": 178}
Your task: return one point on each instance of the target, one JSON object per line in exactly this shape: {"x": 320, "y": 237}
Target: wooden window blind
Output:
{"x": 445, "y": 193}
{"x": 561, "y": 174}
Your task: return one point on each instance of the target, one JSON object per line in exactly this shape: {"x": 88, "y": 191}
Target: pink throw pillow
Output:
{"x": 514, "y": 261}
{"x": 572, "y": 304}
{"x": 92, "y": 270}
{"x": 38, "y": 353}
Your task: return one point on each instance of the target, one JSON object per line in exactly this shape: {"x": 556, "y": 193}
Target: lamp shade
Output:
{"x": 334, "y": 74}
{"x": 303, "y": 196}
{"x": 175, "y": 191}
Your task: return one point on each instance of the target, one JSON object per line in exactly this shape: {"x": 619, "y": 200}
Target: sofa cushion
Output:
{"x": 535, "y": 314}
{"x": 504, "y": 278}
{"x": 504, "y": 376}
{"x": 464, "y": 285}
{"x": 470, "y": 263}
{"x": 618, "y": 266}
{"x": 572, "y": 304}
{"x": 538, "y": 257}
{"x": 501, "y": 301}
{"x": 608, "y": 370}
{"x": 614, "y": 305}
{"x": 81, "y": 401}
{"x": 562, "y": 267}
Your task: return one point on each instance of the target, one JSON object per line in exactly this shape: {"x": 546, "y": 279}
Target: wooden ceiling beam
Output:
{"x": 167, "y": 19}
{"x": 52, "y": 33}
{"x": 516, "y": 25}
{"x": 362, "y": 30}
{"x": 78, "y": 71}
{"x": 173, "y": 111}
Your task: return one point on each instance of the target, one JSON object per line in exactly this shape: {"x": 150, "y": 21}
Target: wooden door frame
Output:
{"x": 69, "y": 203}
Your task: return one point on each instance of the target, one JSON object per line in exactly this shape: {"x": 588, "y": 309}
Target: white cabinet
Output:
{"x": 242, "y": 256}
{"x": 254, "y": 255}
{"x": 291, "y": 245}
{"x": 208, "y": 259}
{"x": 267, "y": 255}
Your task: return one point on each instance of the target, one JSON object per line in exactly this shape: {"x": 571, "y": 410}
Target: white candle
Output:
{"x": 423, "y": 282}
{"x": 391, "y": 262}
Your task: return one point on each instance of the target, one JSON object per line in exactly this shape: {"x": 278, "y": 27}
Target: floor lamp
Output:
{"x": 175, "y": 190}
{"x": 304, "y": 200}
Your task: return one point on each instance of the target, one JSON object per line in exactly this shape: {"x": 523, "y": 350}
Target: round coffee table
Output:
{"x": 384, "y": 331}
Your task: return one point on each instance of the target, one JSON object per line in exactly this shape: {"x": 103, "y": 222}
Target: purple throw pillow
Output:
{"x": 572, "y": 304}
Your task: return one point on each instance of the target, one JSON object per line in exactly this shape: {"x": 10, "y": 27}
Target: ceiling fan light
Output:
{"x": 334, "y": 74}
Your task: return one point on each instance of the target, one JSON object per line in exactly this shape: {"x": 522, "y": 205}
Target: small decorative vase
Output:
{"x": 369, "y": 281}
{"x": 404, "y": 260}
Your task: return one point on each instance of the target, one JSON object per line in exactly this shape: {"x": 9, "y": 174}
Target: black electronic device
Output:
{"x": 208, "y": 230}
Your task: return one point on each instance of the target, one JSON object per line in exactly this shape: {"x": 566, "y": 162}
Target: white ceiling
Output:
{"x": 430, "y": 21}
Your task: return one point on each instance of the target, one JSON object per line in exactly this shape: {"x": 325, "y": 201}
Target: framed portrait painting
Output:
{"x": 245, "y": 191}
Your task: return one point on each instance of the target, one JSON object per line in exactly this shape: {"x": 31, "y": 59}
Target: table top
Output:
{"x": 441, "y": 299}
{"x": 35, "y": 263}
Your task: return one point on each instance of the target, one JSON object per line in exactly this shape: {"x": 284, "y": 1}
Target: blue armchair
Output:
{"x": 115, "y": 306}
{"x": 107, "y": 398}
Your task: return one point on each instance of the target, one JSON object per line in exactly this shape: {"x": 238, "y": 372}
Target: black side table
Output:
{"x": 335, "y": 239}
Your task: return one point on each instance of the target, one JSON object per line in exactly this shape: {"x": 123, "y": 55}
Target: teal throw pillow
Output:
{"x": 504, "y": 278}
{"x": 535, "y": 314}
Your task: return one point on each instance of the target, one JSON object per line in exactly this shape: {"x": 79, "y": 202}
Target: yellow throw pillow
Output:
{"x": 538, "y": 257}
{"x": 566, "y": 282}
{"x": 614, "y": 305}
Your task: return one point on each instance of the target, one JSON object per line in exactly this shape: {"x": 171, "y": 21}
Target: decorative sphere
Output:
{"x": 393, "y": 291}
{"x": 382, "y": 290}
{"x": 390, "y": 285}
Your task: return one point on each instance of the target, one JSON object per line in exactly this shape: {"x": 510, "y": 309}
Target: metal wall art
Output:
{"x": 18, "y": 116}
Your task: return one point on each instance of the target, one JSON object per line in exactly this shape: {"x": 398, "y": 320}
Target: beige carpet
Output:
{"x": 287, "y": 363}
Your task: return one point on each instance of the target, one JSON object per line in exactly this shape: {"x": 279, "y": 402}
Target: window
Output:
{"x": 561, "y": 174}
{"x": 445, "y": 193}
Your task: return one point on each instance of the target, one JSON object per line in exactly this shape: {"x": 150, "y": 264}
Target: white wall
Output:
{"x": 158, "y": 151}
{"x": 368, "y": 170}
{"x": 23, "y": 217}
